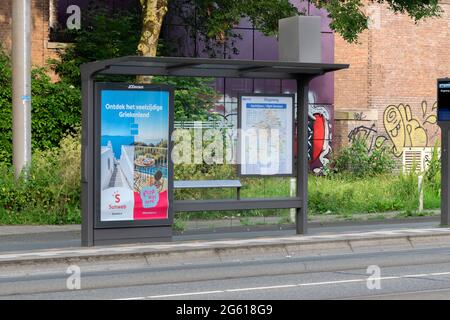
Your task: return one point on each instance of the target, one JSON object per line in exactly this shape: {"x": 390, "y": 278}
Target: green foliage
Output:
{"x": 416, "y": 9}
{"x": 407, "y": 186}
{"x": 345, "y": 195}
{"x": 51, "y": 195}
{"x": 202, "y": 172}
{"x": 103, "y": 35}
{"x": 356, "y": 160}
{"x": 433, "y": 172}
{"x": 56, "y": 109}
{"x": 179, "y": 224}
{"x": 5, "y": 108}
{"x": 349, "y": 18}
{"x": 51, "y": 192}
{"x": 264, "y": 14}
{"x": 214, "y": 20}
{"x": 194, "y": 97}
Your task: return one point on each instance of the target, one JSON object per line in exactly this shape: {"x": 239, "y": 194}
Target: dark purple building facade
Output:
{"x": 253, "y": 45}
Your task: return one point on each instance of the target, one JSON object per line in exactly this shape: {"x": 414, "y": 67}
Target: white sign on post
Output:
{"x": 266, "y": 134}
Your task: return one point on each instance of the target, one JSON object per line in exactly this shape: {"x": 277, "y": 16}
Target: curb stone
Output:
{"x": 232, "y": 250}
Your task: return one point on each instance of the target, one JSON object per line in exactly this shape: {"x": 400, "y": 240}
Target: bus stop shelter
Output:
{"x": 303, "y": 73}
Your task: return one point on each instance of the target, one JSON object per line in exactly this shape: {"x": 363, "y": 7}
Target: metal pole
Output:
{"x": 21, "y": 64}
{"x": 87, "y": 158}
{"x": 445, "y": 208}
{"x": 302, "y": 155}
{"x": 420, "y": 187}
{"x": 292, "y": 192}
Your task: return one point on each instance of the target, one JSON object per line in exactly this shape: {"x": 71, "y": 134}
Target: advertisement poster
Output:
{"x": 444, "y": 100}
{"x": 266, "y": 135}
{"x": 134, "y": 154}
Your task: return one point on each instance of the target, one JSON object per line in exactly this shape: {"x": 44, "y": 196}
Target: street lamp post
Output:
{"x": 21, "y": 64}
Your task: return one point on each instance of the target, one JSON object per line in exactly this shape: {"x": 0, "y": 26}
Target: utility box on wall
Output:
{"x": 299, "y": 39}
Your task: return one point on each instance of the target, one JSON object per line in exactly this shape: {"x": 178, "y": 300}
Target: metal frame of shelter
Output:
{"x": 303, "y": 73}
{"x": 445, "y": 163}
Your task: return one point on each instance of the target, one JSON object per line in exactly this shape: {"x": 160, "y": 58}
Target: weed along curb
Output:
{"x": 234, "y": 250}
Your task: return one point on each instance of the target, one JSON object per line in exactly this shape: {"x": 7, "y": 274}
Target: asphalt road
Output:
{"x": 404, "y": 274}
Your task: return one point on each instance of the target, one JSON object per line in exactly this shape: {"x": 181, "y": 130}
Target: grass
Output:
{"x": 51, "y": 195}
{"x": 343, "y": 196}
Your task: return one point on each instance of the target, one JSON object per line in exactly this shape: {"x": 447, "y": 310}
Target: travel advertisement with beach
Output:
{"x": 134, "y": 154}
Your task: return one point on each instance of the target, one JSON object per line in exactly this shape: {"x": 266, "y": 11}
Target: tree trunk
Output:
{"x": 153, "y": 13}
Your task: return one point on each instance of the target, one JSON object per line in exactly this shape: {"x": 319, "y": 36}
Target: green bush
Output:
{"x": 5, "y": 108}
{"x": 356, "y": 160}
{"x": 104, "y": 35}
{"x": 50, "y": 194}
{"x": 194, "y": 97}
{"x": 56, "y": 110}
{"x": 433, "y": 172}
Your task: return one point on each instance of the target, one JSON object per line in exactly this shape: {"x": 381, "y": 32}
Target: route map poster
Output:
{"x": 134, "y": 154}
{"x": 265, "y": 135}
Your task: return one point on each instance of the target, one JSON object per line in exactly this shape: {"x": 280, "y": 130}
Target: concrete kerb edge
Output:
{"x": 283, "y": 247}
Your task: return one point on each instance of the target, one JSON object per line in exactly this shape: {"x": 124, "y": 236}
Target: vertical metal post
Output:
{"x": 21, "y": 77}
{"x": 445, "y": 212}
{"x": 420, "y": 189}
{"x": 301, "y": 219}
{"x": 292, "y": 192}
{"x": 87, "y": 191}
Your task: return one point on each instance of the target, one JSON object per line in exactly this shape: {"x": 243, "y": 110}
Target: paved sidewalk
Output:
{"x": 28, "y": 238}
{"x": 19, "y": 230}
{"x": 320, "y": 241}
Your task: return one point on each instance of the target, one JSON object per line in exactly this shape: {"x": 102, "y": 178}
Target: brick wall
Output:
{"x": 39, "y": 46}
{"x": 390, "y": 87}
{"x": 5, "y": 24}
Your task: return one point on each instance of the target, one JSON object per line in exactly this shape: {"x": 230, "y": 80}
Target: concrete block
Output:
{"x": 318, "y": 248}
{"x": 379, "y": 244}
{"x": 252, "y": 253}
{"x": 431, "y": 241}
{"x": 183, "y": 257}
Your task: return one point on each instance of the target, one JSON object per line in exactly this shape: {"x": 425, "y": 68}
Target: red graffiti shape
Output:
{"x": 319, "y": 136}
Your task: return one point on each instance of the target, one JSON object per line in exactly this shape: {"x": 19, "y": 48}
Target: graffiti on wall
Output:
{"x": 359, "y": 116}
{"x": 367, "y": 134}
{"x": 319, "y": 134}
{"x": 402, "y": 129}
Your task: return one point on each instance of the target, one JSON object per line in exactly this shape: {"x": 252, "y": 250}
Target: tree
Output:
{"x": 213, "y": 20}
{"x": 105, "y": 35}
{"x": 349, "y": 19}
{"x": 153, "y": 13}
